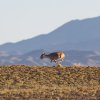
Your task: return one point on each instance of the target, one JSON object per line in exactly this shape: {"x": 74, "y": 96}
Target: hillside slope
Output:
{"x": 72, "y": 57}
{"x": 49, "y": 83}
{"x": 76, "y": 34}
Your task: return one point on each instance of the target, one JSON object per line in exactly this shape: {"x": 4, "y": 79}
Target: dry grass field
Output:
{"x": 20, "y": 82}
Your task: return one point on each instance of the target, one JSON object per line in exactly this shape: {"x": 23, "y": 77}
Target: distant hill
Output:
{"x": 79, "y": 39}
{"x": 73, "y": 57}
{"x": 76, "y": 34}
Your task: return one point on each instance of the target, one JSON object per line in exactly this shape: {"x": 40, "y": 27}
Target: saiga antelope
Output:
{"x": 54, "y": 57}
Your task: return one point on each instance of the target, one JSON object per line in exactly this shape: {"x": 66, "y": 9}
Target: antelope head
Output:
{"x": 42, "y": 55}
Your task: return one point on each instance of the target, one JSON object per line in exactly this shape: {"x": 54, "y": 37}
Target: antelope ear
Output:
{"x": 43, "y": 52}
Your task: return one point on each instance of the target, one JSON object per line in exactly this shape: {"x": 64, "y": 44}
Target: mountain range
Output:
{"x": 79, "y": 39}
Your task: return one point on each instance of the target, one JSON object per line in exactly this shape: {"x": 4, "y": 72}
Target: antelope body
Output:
{"x": 54, "y": 57}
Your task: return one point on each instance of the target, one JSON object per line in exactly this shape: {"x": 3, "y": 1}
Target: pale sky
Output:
{"x": 22, "y": 19}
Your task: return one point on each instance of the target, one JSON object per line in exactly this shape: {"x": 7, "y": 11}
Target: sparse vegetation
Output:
{"x": 20, "y": 82}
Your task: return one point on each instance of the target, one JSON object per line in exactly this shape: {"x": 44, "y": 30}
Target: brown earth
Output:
{"x": 20, "y": 82}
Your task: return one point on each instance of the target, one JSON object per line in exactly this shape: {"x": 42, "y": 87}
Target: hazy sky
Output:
{"x": 22, "y": 19}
